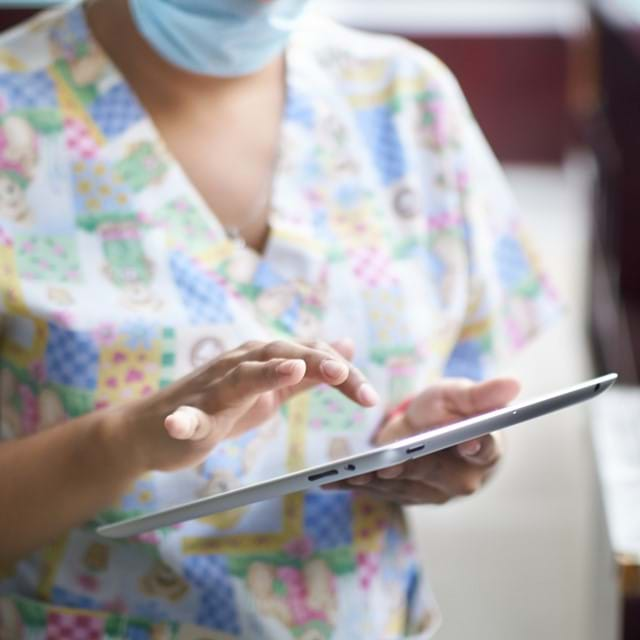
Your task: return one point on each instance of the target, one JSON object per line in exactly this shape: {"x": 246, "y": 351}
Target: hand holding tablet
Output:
{"x": 382, "y": 457}
{"x": 458, "y": 471}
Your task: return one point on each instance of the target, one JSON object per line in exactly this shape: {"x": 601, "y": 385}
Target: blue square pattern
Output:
{"x": 328, "y": 519}
{"x": 204, "y": 298}
{"x": 467, "y": 360}
{"x": 266, "y": 277}
{"x": 217, "y": 607}
{"x": 381, "y": 135}
{"x": 71, "y": 358}
{"x": 64, "y": 598}
{"x": 511, "y": 262}
{"x": 72, "y": 30}
{"x": 137, "y": 632}
{"x": 29, "y": 90}
{"x": 299, "y": 109}
{"x": 116, "y": 110}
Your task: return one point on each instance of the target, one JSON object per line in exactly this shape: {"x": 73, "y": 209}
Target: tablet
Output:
{"x": 436, "y": 439}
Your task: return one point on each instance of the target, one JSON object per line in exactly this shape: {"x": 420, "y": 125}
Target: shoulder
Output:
{"x": 358, "y": 62}
{"x": 35, "y": 43}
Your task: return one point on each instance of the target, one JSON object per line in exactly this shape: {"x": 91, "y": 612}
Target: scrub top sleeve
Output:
{"x": 510, "y": 297}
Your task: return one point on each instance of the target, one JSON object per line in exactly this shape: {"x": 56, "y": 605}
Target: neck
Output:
{"x": 160, "y": 85}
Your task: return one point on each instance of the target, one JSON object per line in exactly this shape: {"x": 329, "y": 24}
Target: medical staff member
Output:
{"x": 233, "y": 239}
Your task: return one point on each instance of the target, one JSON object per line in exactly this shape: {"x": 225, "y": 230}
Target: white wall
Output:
{"x": 460, "y": 16}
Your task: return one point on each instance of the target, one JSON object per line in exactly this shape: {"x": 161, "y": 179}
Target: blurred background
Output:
{"x": 551, "y": 548}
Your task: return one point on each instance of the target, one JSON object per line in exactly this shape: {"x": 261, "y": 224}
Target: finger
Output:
{"x": 455, "y": 399}
{"x": 405, "y": 492}
{"x": 448, "y": 473}
{"x": 326, "y": 365}
{"x": 472, "y": 399}
{"x": 360, "y": 481}
{"x": 483, "y": 452}
{"x": 391, "y": 473}
{"x": 245, "y": 382}
{"x": 185, "y": 422}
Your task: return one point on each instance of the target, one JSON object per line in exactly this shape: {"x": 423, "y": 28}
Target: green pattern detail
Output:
{"x": 44, "y": 121}
{"x": 333, "y": 412}
{"x": 91, "y": 223}
{"x": 86, "y": 94}
{"x": 381, "y": 354}
{"x": 341, "y": 561}
{"x": 33, "y": 613}
{"x": 142, "y": 166}
{"x": 124, "y": 252}
{"x": 168, "y": 358}
{"x": 185, "y": 225}
{"x": 48, "y": 258}
{"x": 320, "y": 627}
{"x": 76, "y": 402}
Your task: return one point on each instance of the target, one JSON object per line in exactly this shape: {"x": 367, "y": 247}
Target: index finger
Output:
{"x": 324, "y": 364}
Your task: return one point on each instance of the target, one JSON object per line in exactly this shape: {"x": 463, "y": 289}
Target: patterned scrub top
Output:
{"x": 391, "y": 223}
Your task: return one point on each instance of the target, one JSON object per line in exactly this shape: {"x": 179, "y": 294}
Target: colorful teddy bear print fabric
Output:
{"x": 391, "y": 224}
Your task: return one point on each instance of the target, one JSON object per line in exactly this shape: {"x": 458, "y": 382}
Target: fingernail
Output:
{"x": 470, "y": 449}
{"x": 367, "y": 394}
{"x": 288, "y": 367}
{"x": 334, "y": 369}
{"x": 185, "y": 422}
{"x": 390, "y": 474}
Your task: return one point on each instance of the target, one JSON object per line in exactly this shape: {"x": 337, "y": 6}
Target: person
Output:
{"x": 237, "y": 239}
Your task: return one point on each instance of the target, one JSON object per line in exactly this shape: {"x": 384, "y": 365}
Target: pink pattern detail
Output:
{"x": 134, "y": 375}
{"x": 5, "y": 240}
{"x": 79, "y": 140}
{"x": 446, "y": 220}
{"x": 297, "y": 596}
{"x": 371, "y": 266}
{"x": 62, "y": 318}
{"x": 105, "y": 334}
{"x": 88, "y": 583}
{"x": 301, "y": 548}
{"x": 368, "y": 568}
{"x": 29, "y": 410}
{"x": 64, "y": 626}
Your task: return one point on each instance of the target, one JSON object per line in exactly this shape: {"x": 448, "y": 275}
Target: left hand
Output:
{"x": 439, "y": 477}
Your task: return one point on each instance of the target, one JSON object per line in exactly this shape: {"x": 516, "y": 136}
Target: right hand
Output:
{"x": 180, "y": 425}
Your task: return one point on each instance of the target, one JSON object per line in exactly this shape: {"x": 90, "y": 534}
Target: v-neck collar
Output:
{"x": 292, "y": 249}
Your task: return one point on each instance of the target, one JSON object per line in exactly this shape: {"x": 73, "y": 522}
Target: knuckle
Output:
{"x": 441, "y": 498}
{"x": 272, "y": 349}
{"x": 251, "y": 345}
{"x": 238, "y": 373}
{"x": 319, "y": 345}
{"x": 468, "y": 486}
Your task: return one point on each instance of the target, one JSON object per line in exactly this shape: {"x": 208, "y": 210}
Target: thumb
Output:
{"x": 189, "y": 423}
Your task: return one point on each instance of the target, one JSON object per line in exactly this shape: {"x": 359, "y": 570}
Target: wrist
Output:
{"x": 119, "y": 439}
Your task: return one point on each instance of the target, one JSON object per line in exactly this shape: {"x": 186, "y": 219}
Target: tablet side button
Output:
{"x": 418, "y": 447}
{"x": 323, "y": 474}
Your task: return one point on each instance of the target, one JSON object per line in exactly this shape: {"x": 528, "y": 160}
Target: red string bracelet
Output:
{"x": 400, "y": 409}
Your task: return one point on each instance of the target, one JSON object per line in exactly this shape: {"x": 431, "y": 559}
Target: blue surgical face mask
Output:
{"x": 217, "y": 37}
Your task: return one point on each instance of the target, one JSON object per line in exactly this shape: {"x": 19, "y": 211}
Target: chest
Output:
{"x": 120, "y": 279}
